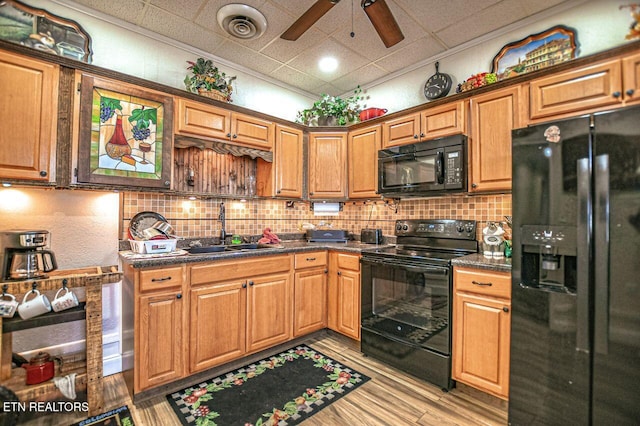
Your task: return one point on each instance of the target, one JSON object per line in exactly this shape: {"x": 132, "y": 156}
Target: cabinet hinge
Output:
{"x": 75, "y": 172}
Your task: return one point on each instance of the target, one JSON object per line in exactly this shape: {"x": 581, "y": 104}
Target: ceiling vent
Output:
{"x": 242, "y": 21}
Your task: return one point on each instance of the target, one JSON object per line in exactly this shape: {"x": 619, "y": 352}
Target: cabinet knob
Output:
{"x": 616, "y": 94}
{"x": 474, "y": 185}
{"x": 228, "y": 135}
{"x": 339, "y": 273}
{"x": 244, "y": 285}
{"x": 43, "y": 173}
{"x": 630, "y": 92}
{"x": 278, "y": 191}
{"x": 167, "y": 183}
{"x": 251, "y": 283}
{"x": 505, "y": 309}
{"x": 179, "y": 296}
{"x": 422, "y": 135}
{"x": 235, "y": 136}
{"x": 326, "y": 271}
{"x": 416, "y": 136}
{"x": 311, "y": 193}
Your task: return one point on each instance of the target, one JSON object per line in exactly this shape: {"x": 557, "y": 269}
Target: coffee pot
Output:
{"x": 25, "y": 254}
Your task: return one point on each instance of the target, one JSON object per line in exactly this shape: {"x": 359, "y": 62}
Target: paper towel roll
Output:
{"x": 326, "y": 209}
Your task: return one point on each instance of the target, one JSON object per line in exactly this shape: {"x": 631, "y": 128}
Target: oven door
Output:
{"x": 408, "y": 302}
{"x": 414, "y": 172}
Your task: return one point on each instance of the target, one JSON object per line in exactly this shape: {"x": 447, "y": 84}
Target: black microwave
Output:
{"x": 423, "y": 169}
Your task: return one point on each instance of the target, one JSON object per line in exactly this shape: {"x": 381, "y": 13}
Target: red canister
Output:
{"x": 369, "y": 113}
{"x": 40, "y": 368}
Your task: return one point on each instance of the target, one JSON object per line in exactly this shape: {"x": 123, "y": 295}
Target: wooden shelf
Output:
{"x": 16, "y": 323}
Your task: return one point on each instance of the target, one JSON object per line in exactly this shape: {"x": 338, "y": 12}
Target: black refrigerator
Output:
{"x": 575, "y": 324}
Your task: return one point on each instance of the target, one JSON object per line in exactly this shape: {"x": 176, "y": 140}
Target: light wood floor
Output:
{"x": 389, "y": 398}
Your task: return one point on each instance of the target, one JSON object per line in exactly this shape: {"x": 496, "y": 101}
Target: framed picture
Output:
{"x": 41, "y": 30}
{"x": 537, "y": 51}
{"x": 125, "y": 134}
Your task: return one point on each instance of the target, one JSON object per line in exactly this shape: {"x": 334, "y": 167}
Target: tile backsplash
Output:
{"x": 199, "y": 218}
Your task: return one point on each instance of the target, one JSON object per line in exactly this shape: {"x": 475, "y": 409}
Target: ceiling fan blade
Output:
{"x": 383, "y": 21}
{"x": 308, "y": 18}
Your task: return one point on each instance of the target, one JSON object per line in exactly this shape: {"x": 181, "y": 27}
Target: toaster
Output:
{"x": 371, "y": 236}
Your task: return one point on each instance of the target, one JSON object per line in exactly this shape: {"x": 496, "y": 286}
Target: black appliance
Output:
{"x": 327, "y": 235}
{"x": 575, "y": 325}
{"x": 407, "y": 294}
{"x": 423, "y": 168}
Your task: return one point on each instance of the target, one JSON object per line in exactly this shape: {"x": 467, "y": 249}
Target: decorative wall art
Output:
{"x": 125, "y": 134}
{"x": 535, "y": 52}
{"x": 43, "y": 31}
{"x": 634, "y": 28}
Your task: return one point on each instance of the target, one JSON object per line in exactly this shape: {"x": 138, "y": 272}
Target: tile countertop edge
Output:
{"x": 298, "y": 246}
{"x": 478, "y": 260}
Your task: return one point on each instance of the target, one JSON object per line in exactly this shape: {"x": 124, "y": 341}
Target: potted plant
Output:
{"x": 208, "y": 81}
{"x": 332, "y": 110}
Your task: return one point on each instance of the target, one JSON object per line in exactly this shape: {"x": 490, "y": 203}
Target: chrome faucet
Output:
{"x": 221, "y": 218}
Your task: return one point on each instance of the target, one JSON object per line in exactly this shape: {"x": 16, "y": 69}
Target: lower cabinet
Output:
{"x": 238, "y": 307}
{"x": 482, "y": 329}
{"x": 310, "y": 292}
{"x": 344, "y": 294}
{"x": 160, "y": 318}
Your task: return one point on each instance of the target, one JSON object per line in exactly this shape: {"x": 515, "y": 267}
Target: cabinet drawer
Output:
{"x": 155, "y": 279}
{"x": 239, "y": 268}
{"x": 310, "y": 259}
{"x": 349, "y": 261}
{"x": 489, "y": 283}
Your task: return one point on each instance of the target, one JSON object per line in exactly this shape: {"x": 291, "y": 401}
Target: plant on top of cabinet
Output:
{"x": 332, "y": 110}
{"x": 208, "y": 80}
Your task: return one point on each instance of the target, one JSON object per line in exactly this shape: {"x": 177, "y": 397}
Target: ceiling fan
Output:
{"x": 377, "y": 11}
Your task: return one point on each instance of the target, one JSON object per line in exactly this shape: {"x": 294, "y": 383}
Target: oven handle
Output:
{"x": 416, "y": 269}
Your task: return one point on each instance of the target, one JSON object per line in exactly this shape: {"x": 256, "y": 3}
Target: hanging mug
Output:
{"x": 33, "y": 307}
{"x": 65, "y": 301}
{"x": 8, "y": 307}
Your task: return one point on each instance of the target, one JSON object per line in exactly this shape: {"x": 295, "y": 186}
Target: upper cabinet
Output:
{"x": 493, "y": 116}
{"x": 327, "y": 165}
{"x": 29, "y": 113}
{"x": 282, "y": 177}
{"x": 444, "y": 120}
{"x": 362, "y": 154}
{"x": 201, "y": 120}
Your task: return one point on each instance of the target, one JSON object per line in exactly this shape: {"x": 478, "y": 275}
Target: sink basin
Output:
{"x": 227, "y": 248}
{"x": 245, "y": 246}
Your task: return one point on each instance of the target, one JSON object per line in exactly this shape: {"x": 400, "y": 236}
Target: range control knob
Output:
{"x": 459, "y": 227}
{"x": 405, "y": 227}
{"x": 469, "y": 227}
{"x": 399, "y": 227}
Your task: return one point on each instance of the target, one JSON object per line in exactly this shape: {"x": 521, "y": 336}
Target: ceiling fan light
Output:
{"x": 383, "y": 21}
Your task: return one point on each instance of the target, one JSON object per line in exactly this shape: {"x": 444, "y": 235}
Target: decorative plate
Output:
{"x": 142, "y": 221}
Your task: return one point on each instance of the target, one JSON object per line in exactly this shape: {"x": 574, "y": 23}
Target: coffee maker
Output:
{"x": 24, "y": 254}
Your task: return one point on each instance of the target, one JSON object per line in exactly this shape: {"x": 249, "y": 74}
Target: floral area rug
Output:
{"x": 280, "y": 390}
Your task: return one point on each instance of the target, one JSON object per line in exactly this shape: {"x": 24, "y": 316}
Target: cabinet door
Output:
{"x": 327, "y": 165}
{"x": 29, "y": 113}
{"x": 401, "y": 131}
{"x": 631, "y": 79}
{"x": 581, "y": 90}
{"x": 481, "y": 343}
{"x": 349, "y": 303}
{"x": 444, "y": 120}
{"x": 269, "y": 311}
{"x": 199, "y": 119}
{"x": 159, "y": 344}
{"x": 310, "y": 295}
{"x": 288, "y": 162}
{"x": 493, "y": 116}
{"x": 362, "y": 154}
{"x": 217, "y": 324}
{"x": 247, "y": 130}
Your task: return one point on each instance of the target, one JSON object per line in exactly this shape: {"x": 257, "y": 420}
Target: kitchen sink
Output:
{"x": 227, "y": 248}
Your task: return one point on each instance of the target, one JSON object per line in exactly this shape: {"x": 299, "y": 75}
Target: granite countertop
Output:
{"x": 182, "y": 256}
{"x": 478, "y": 260}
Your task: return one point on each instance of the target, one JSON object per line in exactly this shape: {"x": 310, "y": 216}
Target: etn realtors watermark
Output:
{"x": 44, "y": 407}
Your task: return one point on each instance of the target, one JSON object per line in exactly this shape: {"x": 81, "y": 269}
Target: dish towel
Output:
{"x": 67, "y": 385}
{"x": 268, "y": 237}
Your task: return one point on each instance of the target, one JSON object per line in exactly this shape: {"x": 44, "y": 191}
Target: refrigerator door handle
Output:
{"x": 583, "y": 253}
{"x": 601, "y": 256}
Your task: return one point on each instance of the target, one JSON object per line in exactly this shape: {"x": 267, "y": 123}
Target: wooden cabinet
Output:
{"x": 282, "y": 177}
{"x": 310, "y": 292}
{"x": 201, "y": 120}
{"x": 29, "y": 113}
{"x": 600, "y": 86}
{"x": 362, "y": 154}
{"x": 493, "y": 116}
{"x": 327, "y": 165}
{"x": 160, "y": 322}
{"x": 238, "y": 307}
{"x": 444, "y": 120}
{"x": 344, "y": 294}
{"x": 482, "y": 329}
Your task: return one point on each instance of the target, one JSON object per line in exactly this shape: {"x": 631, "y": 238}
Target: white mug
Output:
{"x": 8, "y": 307}
{"x": 32, "y": 308}
{"x": 66, "y": 301}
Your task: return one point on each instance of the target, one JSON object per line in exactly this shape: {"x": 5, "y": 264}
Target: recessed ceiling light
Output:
{"x": 328, "y": 64}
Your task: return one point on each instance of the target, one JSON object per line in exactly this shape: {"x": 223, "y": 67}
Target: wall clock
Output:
{"x": 438, "y": 85}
